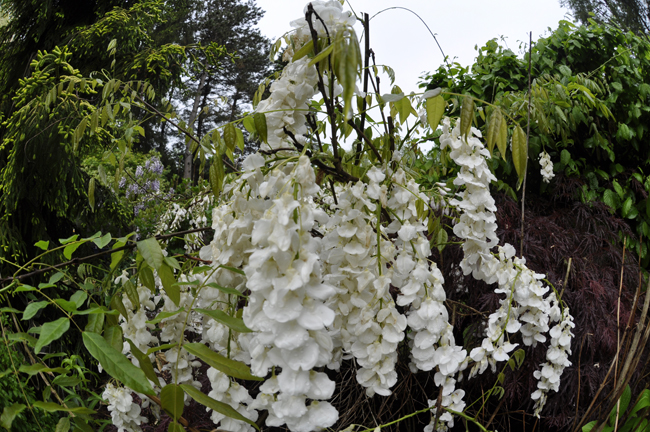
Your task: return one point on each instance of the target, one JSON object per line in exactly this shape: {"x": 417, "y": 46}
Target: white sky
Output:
{"x": 400, "y": 40}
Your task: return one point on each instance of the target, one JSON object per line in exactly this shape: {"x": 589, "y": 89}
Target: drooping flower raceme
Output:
{"x": 125, "y": 414}
{"x": 547, "y": 166}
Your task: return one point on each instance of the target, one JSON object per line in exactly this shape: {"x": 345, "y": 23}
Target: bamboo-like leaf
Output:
{"x": 164, "y": 315}
{"x": 226, "y": 290}
{"x": 132, "y": 294}
{"x": 494, "y": 127}
{"x": 502, "y": 138}
{"x": 304, "y": 50}
{"x": 519, "y": 151}
{"x": 39, "y": 367}
{"x": 151, "y": 252}
{"x": 95, "y": 322}
{"x": 240, "y": 139}
{"x": 236, "y": 324}
{"x": 215, "y": 405}
{"x": 230, "y": 367}
{"x": 103, "y": 241}
{"x": 260, "y": 126}
{"x": 91, "y": 193}
{"x": 116, "y": 364}
{"x": 172, "y": 400}
{"x": 63, "y": 425}
{"x": 33, "y": 308}
{"x": 9, "y": 414}
{"x": 53, "y": 407}
{"x": 147, "y": 279}
{"x": 166, "y": 275}
{"x": 118, "y": 305}
{"x": 50, "y": 332}
{"x": 435, "y": 111}
{"x": 466, "y": 115}
{"x": 78, "y": 133}
{"x": 216, "y": 175}
{"x": 321, "y": 55}
{"x": 145, "y": 363}
{"x": 230, "y": 136}
{"x": 175, "y": 427}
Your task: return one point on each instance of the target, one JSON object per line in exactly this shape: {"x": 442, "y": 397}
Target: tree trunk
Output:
{"x": 187, "y": 170}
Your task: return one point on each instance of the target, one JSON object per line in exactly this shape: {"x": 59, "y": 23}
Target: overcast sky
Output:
{"x": 400, "y": 40}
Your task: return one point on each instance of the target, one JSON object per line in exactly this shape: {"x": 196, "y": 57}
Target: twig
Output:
{"x": 523, "y": 192}
{"x": 92, "y": 257}
{"x": 361, "y": 134}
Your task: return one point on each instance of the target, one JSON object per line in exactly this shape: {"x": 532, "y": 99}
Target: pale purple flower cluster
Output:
{"x": 144, "y": 186}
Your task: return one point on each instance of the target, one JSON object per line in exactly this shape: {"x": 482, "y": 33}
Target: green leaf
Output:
{"x": 95, "y": 322}
{"x": 151, "y": 252}
{"x": 63, "y": 425}
{"x": 116, "y": 257}
{"x": 502, "y": 138}
{"x": 233, "y": 269}
{"x": 78, "y": 298}
{"x": 31, "y": 340}
{"x": 435, "y": 110}
{"x": 589, "y": 426}
{"x": 145, "y": 363}
{"x": 103, "y": 241}
{"x": 53, "y": 407}
{"x": 56, "y": 277}
{"x": 642, "y": 402}
{"x": 91, "y": 193}
{"x": 38, "y": 367}
{"x": 147, "y": 279}
{"x": 230, "y": 136}
{"x": 164, "y": 315}
{"x": 42, "y": 244}
{"x": 69, "y": 249}
{"x": 565, "y": 157}
{"x": 466, "y": 115}
{"x": 9, "y": 414}
{"x": 166, "y": 275}
{"x": 69, "y": 239}
{"x": 172, "y": 400}
{"x": 33, "y": 308}
{"x": 132, "y": 294}
{"x": 240, "y": 139}
{"x": 116, "y": 364}
{"x": 50, "y": 332}
{"x": 260, "y": 125}
{"x": 118, "y": 305}
{"x": 494, "y": 127}
{"x": 304, "y": 50}
{"x": 161, "y": 347}
{"x": 216, "y": 175}
{"x": 519, "y": 151}
{"x": 175, "y": 427}
{"x": 113, "y": 337}
{"x": 610, "y": 198}
{"x": 214, "y": 405}
{"x": 230, "y": 367}
{"x": 226, "y": 290}
{"x": 10, "y": 310}
{"x": 236, "y": 324}
{"x": 321, "y": 55}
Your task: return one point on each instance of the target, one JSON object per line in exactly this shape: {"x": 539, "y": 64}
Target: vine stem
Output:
{"x": 523, "y": 191}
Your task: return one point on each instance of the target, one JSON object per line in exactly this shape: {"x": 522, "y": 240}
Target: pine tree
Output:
{"x": 633, "y": 15}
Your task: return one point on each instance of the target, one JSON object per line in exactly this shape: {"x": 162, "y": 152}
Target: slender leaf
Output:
{"x": 164, "y": 315}
{"x": 132, "y": 294}
{"x": 494, "y": 127}
{"x": 113, "y": 336}
{"x": 95, "y": 322}
{"x": 116, "y": 364}
{"x": 151, "y": 252}
{"x": 260, "y": 126}
{"x": 167, "y": 278}
{"x": 144, "y": 361}
{"x": 9, "y": 414}
{"x": 435, "y": 111}
{"x": 63, "y": 425}
{"x": 466, "y": 115}
{"x": 53, "y": 407}
{"x": 215, "y": 405}
{"x": 147, "y": 279}
{"x": 502, "y": 138}
{"x": 230, "y": 136}
{"x": 226, "y": 290}
{"x": 236, "y": 324}
{"x": 172, "y": 400}
{"x": 33, "y": 308}
{"x": 39, "y": 367}
{"x": 230, "y": 367}
{"x": 519, "y": 151}
{"x": 50, "y": 332}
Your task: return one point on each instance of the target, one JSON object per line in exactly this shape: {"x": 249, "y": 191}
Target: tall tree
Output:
{"x": 632, "y": 15}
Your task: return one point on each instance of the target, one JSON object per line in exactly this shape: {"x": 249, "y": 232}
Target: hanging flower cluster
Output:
{"x": 524, "y": 308}
{"x": 125, "y": 414}
{"x": 320, "y": 284}
{"x": 547, "y": 167}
